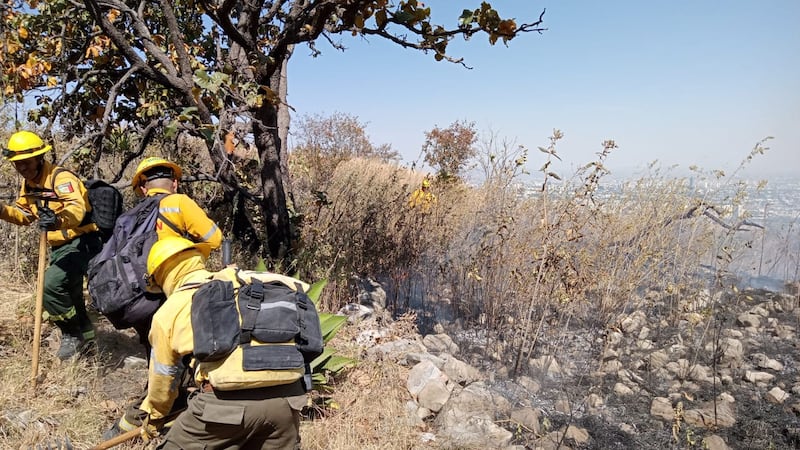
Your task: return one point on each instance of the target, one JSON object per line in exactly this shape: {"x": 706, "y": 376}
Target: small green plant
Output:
{"x": 328, "y": 363}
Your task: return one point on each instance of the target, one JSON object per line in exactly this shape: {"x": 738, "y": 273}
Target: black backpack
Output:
{"x": 116, "y": 275}
{"x": 259, "y": 312}
{"x": 106, "y": 202}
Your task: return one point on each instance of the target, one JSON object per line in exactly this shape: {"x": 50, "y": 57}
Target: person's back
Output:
{"x": 267, "y": 404}
{"x": 158, "y": 176}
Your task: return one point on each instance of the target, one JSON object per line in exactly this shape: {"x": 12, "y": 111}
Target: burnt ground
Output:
{"x": 617, "y": 421}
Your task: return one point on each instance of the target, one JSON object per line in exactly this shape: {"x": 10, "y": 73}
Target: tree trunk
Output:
{"x": 273, "y": 204}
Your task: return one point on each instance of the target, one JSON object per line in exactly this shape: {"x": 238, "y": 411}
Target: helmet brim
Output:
{"x": 19, "y": 156}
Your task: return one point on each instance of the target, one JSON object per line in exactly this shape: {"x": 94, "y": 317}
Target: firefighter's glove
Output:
{"x": 151, "y": 428}
{"x": 47, "y": 219}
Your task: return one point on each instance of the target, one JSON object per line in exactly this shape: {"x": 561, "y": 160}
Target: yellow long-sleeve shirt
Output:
{"x": 171, "y": 334}
{"x": 188, "y": 216}
{"x": 71, "y": 206}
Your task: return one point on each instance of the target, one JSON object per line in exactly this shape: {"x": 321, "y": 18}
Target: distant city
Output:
{"x": 768, "y": 256}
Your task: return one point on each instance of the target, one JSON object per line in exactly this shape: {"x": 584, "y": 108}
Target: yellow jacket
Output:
{"x": 421, "y": 199}
{"x": 171, "y": 333}
{"x": 71, "y": 207}
{"x": 187, "y": 216}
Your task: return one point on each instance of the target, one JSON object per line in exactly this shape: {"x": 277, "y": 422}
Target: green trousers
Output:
{"x": 63, "y": 285}
{"x": 257, "y": 419}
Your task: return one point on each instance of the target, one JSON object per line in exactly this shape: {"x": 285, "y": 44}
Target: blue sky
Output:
{"x": 680, "y": 82}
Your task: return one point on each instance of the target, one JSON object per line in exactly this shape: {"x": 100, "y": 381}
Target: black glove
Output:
{"x": 47, "y": 219}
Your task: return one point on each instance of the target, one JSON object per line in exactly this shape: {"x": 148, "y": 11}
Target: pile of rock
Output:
{"x": 722, "y": 374}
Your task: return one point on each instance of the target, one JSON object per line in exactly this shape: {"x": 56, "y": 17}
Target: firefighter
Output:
{"x": 74, "y": 239}
{"x": 261, "y": 416}
{"x": 159, "y": 176}
{"x": 184, "y": 218}
{"x": 422, "y": 198}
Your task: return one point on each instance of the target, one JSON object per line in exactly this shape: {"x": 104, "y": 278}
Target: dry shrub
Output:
{"x": 359, "y": 226}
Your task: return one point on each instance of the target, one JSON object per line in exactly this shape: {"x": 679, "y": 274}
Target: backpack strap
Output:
{"x": 172, "y": 226}
{"x": 251, "y": 309}
{"x": 168, "y": 223}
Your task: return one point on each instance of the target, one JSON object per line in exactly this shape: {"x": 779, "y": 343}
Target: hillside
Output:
{"x": 647, "y": 381}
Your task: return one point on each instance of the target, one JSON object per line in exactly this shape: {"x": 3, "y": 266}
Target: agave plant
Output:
{"x": 328, "y": 363}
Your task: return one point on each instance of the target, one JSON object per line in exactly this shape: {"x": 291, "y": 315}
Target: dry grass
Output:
{"x": 510, "y": 258}
{"x": 66, "y": 402}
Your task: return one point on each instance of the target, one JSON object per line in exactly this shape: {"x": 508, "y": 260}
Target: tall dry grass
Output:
{"x": 517, "y": 250}
{"x": 513, "y": 254}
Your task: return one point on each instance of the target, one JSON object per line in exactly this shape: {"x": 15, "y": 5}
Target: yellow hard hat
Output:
{"x": 164, "y": 249}
{"x": 426, "y": 183}
{"x": 151, "y": 163}
{"x": 24, "y": 145}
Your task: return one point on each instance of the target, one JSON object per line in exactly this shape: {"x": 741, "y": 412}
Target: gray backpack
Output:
{"x": 116, "y": 275}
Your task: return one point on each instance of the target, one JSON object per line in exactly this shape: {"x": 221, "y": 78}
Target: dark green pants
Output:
{"x": 63, "y": 285}
{"x": 267, "y": 418}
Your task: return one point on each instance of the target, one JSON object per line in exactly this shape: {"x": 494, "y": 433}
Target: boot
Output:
{"x": 69, "y": 347}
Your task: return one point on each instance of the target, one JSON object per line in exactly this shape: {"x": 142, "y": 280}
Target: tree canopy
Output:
{"x": 211, "y": 69}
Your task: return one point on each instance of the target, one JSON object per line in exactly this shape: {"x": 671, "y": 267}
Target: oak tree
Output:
{"x": 212, "y": 69}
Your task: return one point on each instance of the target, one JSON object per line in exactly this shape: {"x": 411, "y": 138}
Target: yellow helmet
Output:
{"x": 24, "y": 145}
{"x": 426, "y": 183}
{"x": 164, "y": 249}
{"x": 151, "y": 163}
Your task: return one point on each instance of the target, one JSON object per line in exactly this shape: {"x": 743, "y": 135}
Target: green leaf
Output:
{"x": 337, "y": 363}
{"x": 320, "y": 360}
{"x": 315, "y": 291}
{"x": 465, "y": 18}
{"x": 403, "y": 16}
{"x": 330, "y": 324}
{"x": 261, "y": 266}
{"x": 171, "y": 130}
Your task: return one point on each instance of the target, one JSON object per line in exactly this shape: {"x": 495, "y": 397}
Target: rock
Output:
{"x": 530, "y": 384}
{"x": 732, "y": 351}
{"x": 528, "y": 418}
{"x": 434, "y": 394}
{"x": 622, "y": 390}
{"x": 371, "y": 294}
{"x": 748, "y": 320}
{"x": 562, "y": 405}
{"x": 662, "y": 408}
{"x": 413, "y": 358}
{"x": 467, "y": 419}
{"x": 714, "y": 442}
{"x": 421, "y": 374}
{"x": 398, "y": 349}
{"x": 594, "y": 401}
{"x": 134, "y": 363}
{"x": 440, "y": 343}
{"x": 764, "y": 362}
{"x": 712, "y": 416}
{"x": 356, "y": 312}
{"x": 658, "y": 359}
{"x": 758, "y": 377}
{"x": 577, "y": 435}
{"x": 460, "y": 372}
{"x": 547, "y": 365}
{"x": 759, "y": 311}
{"x": 633, "y": 322}
{"x": 369, "y": 338}
{"x": 777, "y": 396}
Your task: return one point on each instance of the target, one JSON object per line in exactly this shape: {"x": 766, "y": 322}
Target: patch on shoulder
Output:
{"x": 65, "y": 188}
